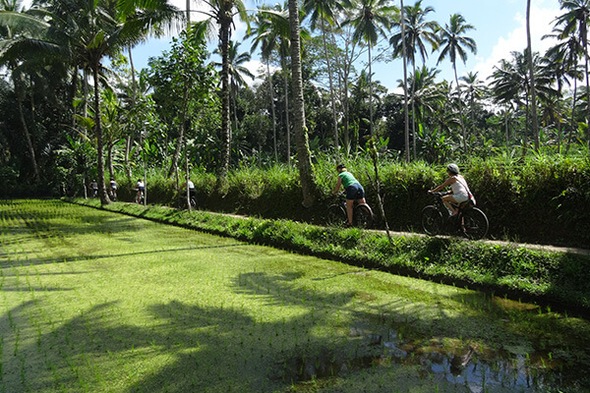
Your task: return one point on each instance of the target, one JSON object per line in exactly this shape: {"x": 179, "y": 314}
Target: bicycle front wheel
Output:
{"x": 475, "y": 224}
{"x": 432, "y": 220}
{"x": 336, "y": 216}
{"x": 363, "y": 217}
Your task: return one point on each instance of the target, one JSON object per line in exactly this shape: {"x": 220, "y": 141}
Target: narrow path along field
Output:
{"x": 92, "y": 301}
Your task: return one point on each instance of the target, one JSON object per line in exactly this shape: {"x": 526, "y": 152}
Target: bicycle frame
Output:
{"x": 362, "y": 213}
{"x": 469, "y": 221}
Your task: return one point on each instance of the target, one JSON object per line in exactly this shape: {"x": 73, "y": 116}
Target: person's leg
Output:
{"x": 349, "y": 205}
{"x": 448, "y": 201}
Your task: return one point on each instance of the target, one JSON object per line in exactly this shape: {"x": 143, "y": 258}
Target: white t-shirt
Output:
{"x": 460, "y": 189}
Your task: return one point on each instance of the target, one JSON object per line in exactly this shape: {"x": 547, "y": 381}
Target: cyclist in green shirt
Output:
{"x": 354, "y": 189}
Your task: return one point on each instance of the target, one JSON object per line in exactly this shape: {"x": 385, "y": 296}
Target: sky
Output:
{"x": 499, "y": 28}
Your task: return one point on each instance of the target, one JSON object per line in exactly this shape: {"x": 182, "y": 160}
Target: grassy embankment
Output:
{"x": 553, "y": 278}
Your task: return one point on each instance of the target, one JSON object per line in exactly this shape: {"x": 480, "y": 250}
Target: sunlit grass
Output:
{"x": 92, "y": 301}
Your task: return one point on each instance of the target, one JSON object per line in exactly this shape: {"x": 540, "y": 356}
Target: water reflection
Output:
{"x": 510, "y": 369}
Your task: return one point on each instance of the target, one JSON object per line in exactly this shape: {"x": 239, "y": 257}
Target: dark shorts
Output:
{"x": 355, "y": 191}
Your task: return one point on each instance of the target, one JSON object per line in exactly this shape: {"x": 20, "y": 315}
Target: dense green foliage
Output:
{"x": 51, "y": 136}
{"x": 553, "y": 277}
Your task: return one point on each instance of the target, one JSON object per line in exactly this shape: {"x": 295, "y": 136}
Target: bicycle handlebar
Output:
{"x": 440, "y": 193}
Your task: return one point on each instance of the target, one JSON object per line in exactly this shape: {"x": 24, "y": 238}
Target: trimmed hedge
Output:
{"x": 540, "y": 199}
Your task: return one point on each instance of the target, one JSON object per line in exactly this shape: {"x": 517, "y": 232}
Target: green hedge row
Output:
{"x": 540, "y": 199}
{"x": 561, "y": 279}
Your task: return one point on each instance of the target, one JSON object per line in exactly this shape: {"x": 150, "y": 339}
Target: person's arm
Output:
{"x": 338, "y": 184}
{"x": 446, "y": 183}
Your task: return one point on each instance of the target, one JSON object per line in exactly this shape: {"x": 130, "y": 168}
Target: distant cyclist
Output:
{"x": 191, "y": 188}
{"x": 140, "y": 191}
{"x": 94, "y": 188}
{"x": 459, "y": 189}
{"x": 354, "y": 190}
{"x": 113, "y": 189}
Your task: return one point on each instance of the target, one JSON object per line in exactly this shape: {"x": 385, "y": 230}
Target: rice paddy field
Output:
{"x": 94, "y": 301}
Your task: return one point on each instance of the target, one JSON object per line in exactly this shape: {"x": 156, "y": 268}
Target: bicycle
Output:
{"x": 182, "y": 202}
{"x": 362, "y": 215}
{"x": 140, "y": 196}
{"x": 469, "y": 221}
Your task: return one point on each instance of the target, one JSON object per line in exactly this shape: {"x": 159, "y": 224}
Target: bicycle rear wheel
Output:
{"x": 363, "y": 217}
{"x": 336, "y": 216}
{"x": 432, "y": 220}
{"x": 475, "y": 224}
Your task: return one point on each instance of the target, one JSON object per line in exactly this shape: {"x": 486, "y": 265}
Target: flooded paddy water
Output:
{"x": 537, "y": 363}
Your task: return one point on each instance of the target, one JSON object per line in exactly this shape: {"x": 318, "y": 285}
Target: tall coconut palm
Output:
{"x": 473, "y": 89}
{"x": 237, "y": 73}
{"x": 576, "y": 19}
{"x": 511, "y": 84}
{"x": 222, "y": 13}
{"x": 533, "y": 93}
{"x": 417, "y": 33}
{"x": 323, "y": 14}
{"x": 306, "y": 174}
{"x": 107, "y": 28}
{"x": 22, "y": 32}
{"x": 455, "y": 44}
{"x": 372, "y": 21}
{"x": 563, "y": 60}
{"x": 265, "y": 32}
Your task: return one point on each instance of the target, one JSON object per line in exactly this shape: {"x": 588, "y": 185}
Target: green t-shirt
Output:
{"x": 347, "y": 178}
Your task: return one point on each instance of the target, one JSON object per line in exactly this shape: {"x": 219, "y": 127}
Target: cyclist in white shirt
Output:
{"x": 459, "y": 189}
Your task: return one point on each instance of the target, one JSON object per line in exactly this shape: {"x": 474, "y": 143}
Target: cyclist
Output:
{"x": 354, "y": 190}
{"x": 140, "y": 190}
{"x": 94, "y": 188}
{"x": 191, "y": 188}
{"x": 459, "y": 190}
{"x": 113, "y": 189}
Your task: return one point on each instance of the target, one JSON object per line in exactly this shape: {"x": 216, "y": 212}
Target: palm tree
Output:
{"x": 22, "y": 33}
{"x": 533, "y": 93}
{"x": 371, "y": 22}
{"x": 576, "y": 19}
{"x": 562, "y": 58}
{"x": 417, "y": 32}
{"x": 428, "y": 95}
{"x": 222, "y": 13}
{"x": 306, "y": 175}
{"x": 473, "y": 89}
{"x": 106, "y": 29}
{"x": 237, "y": 72}
{"x": 325, "y": 13}
{"x": 455, "y": 44}
{"x": 511, "y": 83}
{"x": 266, "y": 31}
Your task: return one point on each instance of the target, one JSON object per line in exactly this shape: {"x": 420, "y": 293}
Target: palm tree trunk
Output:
{"x": 102, "y": 191}
{"x": 460, "y": 105}
{"x": 535, "y": 123}
{"x": 405, "y": 63}
{"x": 332, "y": 95}
{"x": 370, "y": 94}
{"x": 304, "y": 164}
{"x": 287, "y": 123}
{"x": 573, "y": 126}
{"x": 225, "y": 135}
{"x": 272, "y": 110}
{"x": 414, "y": 110}
{"x": 19, "y": 90}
